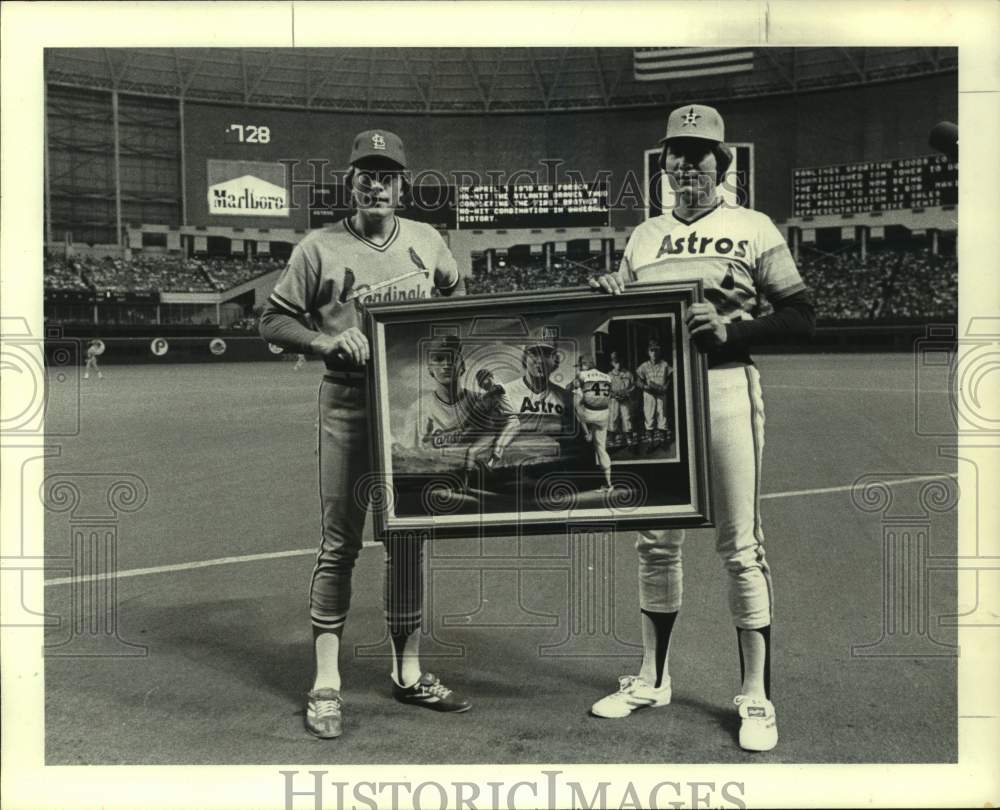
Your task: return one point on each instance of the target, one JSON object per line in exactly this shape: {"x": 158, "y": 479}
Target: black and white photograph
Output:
{"x": 480, "y": 405}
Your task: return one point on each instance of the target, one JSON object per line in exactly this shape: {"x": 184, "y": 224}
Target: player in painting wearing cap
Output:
{"x": 738, "y": 253}
{"x": 544, "y": 408}
{"x": 491, "y": 427}
{"x": 620, "y": 408}
{"x": 437, "y": 419}
{"x": 592, "y": 395}
{"x": 654, "y": 377}
{"x": 371, "y": 254}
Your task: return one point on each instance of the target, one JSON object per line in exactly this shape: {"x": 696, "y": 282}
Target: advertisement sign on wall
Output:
{"x": 246, "y": 188}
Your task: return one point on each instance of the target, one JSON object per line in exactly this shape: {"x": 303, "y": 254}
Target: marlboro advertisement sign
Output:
{"x": 246, "y": 188}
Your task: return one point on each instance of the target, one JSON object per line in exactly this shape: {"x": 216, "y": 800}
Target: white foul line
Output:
{"x": 301, "y": 552}
{"x": 162, "y": 569}
{"x": 823, "y": 490}
{"x": 826, "y": 388}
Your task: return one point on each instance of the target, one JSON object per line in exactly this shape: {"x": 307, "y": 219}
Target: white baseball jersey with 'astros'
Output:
{"x": 545, "y": 416}
{"x": 735, "y": 251}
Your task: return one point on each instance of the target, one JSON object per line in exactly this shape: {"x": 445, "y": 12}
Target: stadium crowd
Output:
{"x": 530, "y": 274}
{"x": 892, "y": 281}
{"x": 145, "y": 273}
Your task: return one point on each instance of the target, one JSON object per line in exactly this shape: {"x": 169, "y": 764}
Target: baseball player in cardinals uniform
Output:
{"x": 370, "y": 255}
{"x": 437, "y": 419}
{"x": 620, "y": 407}
{"x": 592, "y": 392}
{"x": 738, "y": 253}
{"x": 654, "y": 375}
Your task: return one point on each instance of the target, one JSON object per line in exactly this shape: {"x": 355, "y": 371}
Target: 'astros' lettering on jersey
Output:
{"x": 738, "y": 253}
{"x": 540, "y": 413}
{"x": 332, "y": 262}
{"x": 595, "y": 387}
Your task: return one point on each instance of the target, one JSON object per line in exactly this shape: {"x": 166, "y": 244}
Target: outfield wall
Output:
{"x": 187, "y": 348}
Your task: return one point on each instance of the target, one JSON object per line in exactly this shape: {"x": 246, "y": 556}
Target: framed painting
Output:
{"x": 524, "y": 412}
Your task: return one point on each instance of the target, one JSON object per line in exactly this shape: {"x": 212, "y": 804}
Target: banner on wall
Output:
{"x": 246, "y": 188}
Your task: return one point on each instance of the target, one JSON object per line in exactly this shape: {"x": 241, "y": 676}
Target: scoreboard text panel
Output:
{"x": 890, "y": 185}
{"x": 564, "y": 205}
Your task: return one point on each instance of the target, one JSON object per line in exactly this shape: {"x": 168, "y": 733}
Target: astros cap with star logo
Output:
{"x": 695, "y": 121}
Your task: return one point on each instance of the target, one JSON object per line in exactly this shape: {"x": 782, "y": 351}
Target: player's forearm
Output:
{"x": 286, "y": 331}
{"x": 447, "y": 287}
{"x": 793, "y": 317}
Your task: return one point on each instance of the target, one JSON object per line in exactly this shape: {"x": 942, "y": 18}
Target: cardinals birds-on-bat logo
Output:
{"x": 348, "y": 285}
{"x": 350, "y": 292}
{"x": 416, "y": 260}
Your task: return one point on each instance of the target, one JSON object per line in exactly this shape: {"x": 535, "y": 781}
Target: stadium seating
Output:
{"x": 894, "y": 281}
{"x": 153, "y": 273}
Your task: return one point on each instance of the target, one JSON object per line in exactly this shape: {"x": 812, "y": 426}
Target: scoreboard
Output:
{"x": 857, "y": 188}
{"x": 566, "y": 205}
{"x": 284, "y": 169}
{"x": 563, "y": 205}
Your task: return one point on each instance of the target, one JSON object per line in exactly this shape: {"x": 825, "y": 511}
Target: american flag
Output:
{"x": 656, "y": 64}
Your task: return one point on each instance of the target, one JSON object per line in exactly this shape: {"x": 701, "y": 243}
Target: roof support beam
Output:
{"x": 199, "y": 63}
{"x": 778, "y": 67}
{"x": 538, "y": 80}
{"x": 327, "y": 72}
{"x": 850, "y": 60}
{"x": 262, "y": 75}
{"x": 601, "y": 82}
{"x": 493, "y": 78}
{"x": 414, "y": 80}
{"x": 474, "y": 76}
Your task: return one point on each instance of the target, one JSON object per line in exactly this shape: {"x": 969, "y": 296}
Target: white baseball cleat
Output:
{"x": 633, "y": 693}
{"x": 758, "y": 726}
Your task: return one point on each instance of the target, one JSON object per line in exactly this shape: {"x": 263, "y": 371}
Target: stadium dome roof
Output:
{"x": 464, "y": 80}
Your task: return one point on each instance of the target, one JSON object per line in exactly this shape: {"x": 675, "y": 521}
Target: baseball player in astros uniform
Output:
{"x": 544, "y": 408}
{"x": 372, "y": 254}
{"x": 620, "y": 407}
{"x": 592, "y": 392}
{"x": 738, "y": 253}
{"x": 654, "y": 375}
